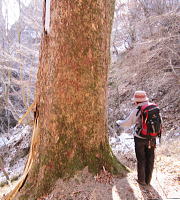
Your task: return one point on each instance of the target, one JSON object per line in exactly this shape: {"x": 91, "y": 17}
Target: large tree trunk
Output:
{"x": 71, "y": 95}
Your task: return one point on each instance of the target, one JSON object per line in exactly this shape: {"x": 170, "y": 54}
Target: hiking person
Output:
{"x": 145, "y": 132}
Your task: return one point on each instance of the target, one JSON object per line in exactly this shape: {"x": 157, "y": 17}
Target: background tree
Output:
{"x": 71, "y": 95}
{"x": 19, "y": 44}
{"x": 139, "y": 20}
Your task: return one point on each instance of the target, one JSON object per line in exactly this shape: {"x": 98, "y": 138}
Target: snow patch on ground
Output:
{"x": 123, "y": 143}
{"x": 3, "y": 141}
{"x": 14, "y": 148}
{"x": 20, "y": 138}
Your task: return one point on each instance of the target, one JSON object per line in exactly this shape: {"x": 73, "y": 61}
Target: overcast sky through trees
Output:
{"x": 11, "y": 10}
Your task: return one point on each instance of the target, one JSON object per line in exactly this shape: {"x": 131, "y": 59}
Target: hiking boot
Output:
{"x": 148, "y": 184}
{"x": 141, "y": 182}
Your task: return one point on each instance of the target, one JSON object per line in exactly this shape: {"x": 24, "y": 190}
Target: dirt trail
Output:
{"x": 164, "y": 187}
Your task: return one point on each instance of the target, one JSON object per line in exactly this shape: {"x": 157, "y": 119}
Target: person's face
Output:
{"x": 136, "y": 103}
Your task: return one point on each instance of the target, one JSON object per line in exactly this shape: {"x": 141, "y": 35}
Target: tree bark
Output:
{"x": 71, "y": 95}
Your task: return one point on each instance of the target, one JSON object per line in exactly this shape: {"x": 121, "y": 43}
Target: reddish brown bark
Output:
{"x": 71, "y": 94}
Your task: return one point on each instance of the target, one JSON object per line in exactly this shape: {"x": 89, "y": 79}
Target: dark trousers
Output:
{"x": 145, "y": 158}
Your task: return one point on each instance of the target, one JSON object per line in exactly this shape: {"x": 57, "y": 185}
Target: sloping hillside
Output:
{"x": 154, "y": 66}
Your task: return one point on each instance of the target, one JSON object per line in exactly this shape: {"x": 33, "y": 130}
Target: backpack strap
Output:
{"x": 139, "y": 109}
{"x": 138, "y": 129}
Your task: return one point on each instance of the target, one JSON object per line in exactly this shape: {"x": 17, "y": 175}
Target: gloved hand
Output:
{"x": 118, "y": 122}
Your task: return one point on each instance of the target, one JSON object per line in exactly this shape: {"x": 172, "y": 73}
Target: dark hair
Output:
{"x": 139, "y": 102}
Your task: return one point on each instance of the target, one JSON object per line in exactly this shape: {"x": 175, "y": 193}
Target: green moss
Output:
{"x": 23, "y": 197}
{"x": 95, "y": 159}
{"x": 106, "y": 159}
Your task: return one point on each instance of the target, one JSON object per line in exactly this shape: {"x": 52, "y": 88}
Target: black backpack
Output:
{"x": 151, "y": 121}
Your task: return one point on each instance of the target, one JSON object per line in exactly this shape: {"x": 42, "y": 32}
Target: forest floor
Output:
{"x": 165, "y": 183}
